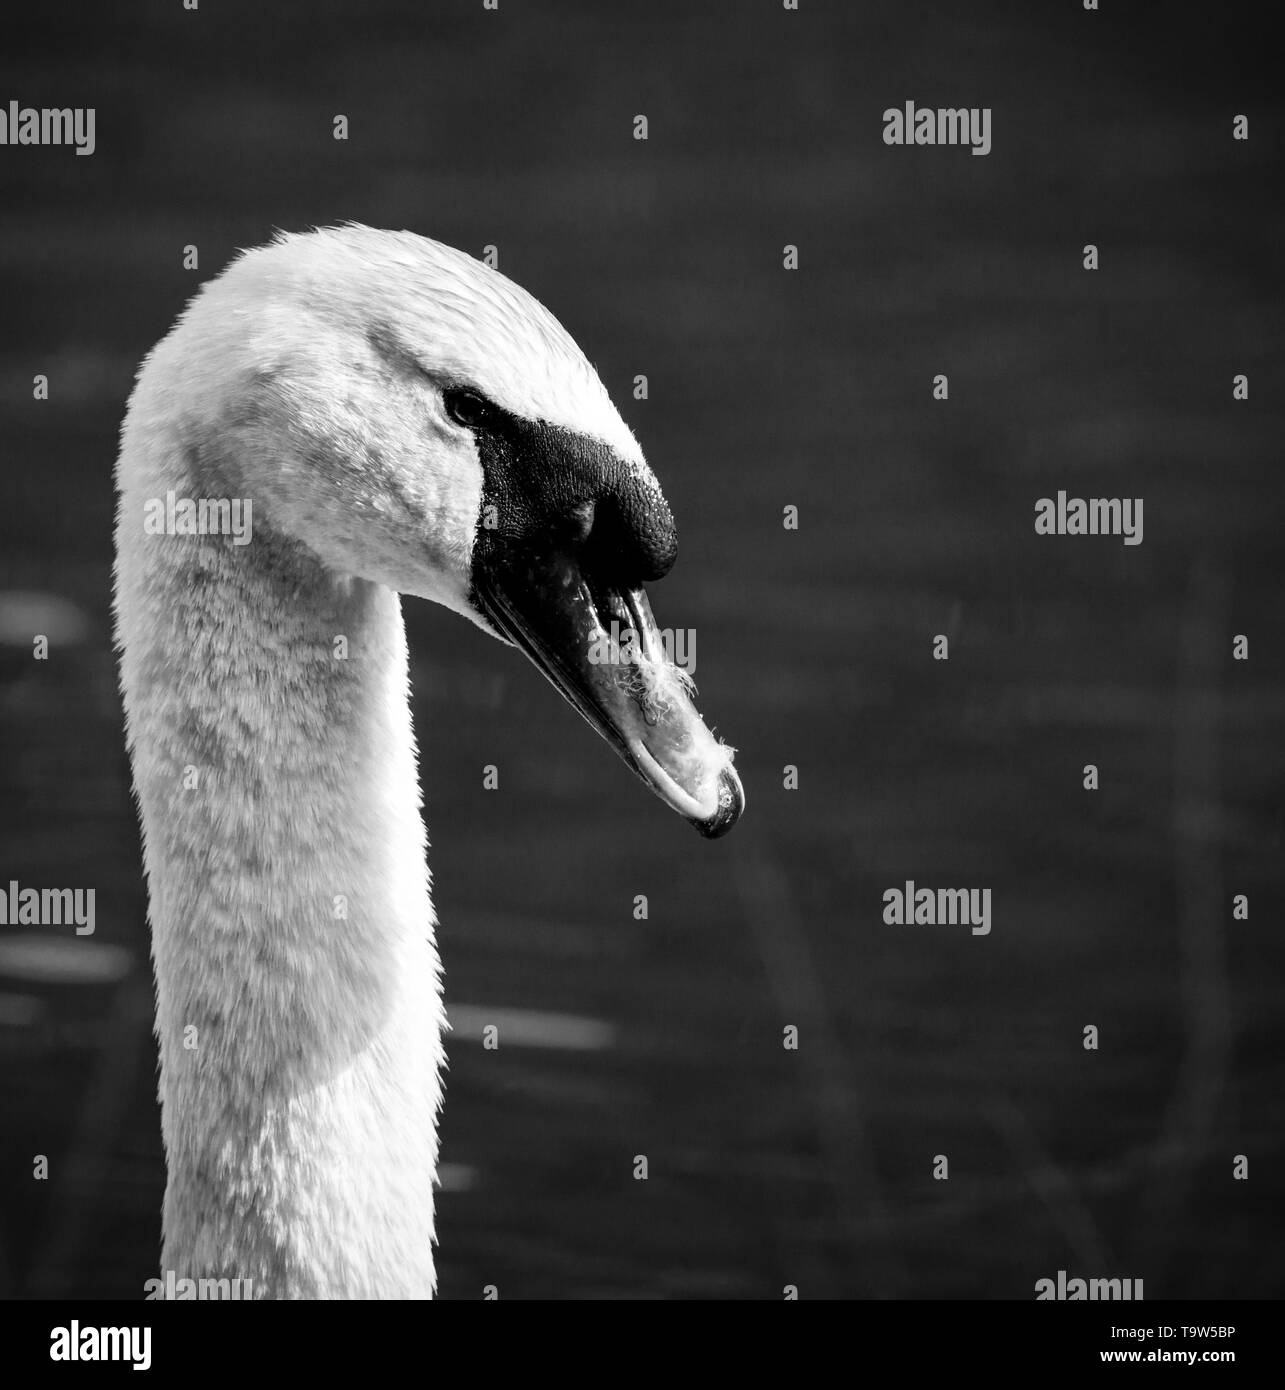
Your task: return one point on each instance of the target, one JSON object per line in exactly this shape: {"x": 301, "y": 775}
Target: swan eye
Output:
{"x": 467, "y": 408}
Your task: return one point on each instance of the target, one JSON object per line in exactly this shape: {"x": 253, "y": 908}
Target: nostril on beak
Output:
{"x": 631, "y": 538}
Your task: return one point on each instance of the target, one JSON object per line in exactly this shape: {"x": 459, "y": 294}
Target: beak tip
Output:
{"x": 731, "y": 802}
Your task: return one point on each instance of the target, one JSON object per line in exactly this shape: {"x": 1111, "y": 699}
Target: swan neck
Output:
{"x": 298, "y": 1009}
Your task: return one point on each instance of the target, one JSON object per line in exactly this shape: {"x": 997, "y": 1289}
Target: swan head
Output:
{"x": 411, "y": 417}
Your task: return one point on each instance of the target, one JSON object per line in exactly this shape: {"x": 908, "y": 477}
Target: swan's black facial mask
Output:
{"x": 568, "y": 534}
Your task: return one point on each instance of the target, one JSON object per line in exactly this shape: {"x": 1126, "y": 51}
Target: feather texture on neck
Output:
{"x": 298, "y": 1011}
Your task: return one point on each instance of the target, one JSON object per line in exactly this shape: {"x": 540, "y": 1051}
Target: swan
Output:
{"x": 392, "y": 417}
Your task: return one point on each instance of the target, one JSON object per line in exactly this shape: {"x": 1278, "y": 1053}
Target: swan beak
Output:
{"x": 601, "y": 648}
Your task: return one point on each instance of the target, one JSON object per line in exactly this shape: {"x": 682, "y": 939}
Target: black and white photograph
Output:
{"x": 641, "y": 659}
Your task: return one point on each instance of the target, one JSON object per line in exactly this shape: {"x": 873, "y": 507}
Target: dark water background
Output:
{"x": 767, "y": 1167}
